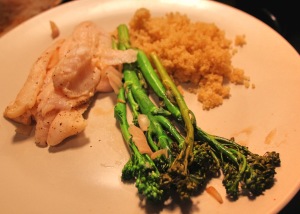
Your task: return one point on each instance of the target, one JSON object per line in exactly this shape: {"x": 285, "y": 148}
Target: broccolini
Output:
{"x": 193, "y": 155}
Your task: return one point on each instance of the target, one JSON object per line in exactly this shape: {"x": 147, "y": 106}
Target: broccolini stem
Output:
{"x": 169, "y": 84}
{"x": 139, "y": 100}
{"x": 134, "y": 106}
{"x": 205, "y": 137}
{"x": 169, "y": 126}
{"x": 147, "y": 107}
{"x": 123, "y": 37}
{"x": 121, "y": 116}
{"x": 184, "y": 110}
{"x": 155, "y": 83}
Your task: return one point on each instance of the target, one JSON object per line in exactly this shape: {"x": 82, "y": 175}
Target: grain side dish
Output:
{"x": 197, "y": 53}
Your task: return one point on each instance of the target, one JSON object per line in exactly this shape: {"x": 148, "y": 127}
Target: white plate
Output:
{"x": 83, "y": 174}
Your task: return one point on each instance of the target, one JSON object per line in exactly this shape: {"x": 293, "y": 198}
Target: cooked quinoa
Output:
{"x": 197, "y": 53}
{"x": 240, "y": 40}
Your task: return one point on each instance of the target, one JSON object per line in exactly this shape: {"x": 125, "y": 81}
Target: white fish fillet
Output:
{"x": 65, "y": 124}
{"x": 63, "y": 80}
{"x": 27, "y": 96}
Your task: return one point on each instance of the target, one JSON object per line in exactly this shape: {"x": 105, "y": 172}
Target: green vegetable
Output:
{"x": 140, "y": 167}
{"x": 194, "y": 156}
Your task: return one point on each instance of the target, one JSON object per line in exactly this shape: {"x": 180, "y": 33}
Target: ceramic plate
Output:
{"x": 82, "y": 175}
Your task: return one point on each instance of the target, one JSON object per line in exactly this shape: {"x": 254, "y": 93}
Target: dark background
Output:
{"x": 282, "y": 15}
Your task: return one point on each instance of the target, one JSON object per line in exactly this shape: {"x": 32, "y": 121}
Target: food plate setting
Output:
{"x": 83, "y": 173}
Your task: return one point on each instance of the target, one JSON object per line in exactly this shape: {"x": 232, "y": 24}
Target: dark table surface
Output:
{"x": 282, "y": 15}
